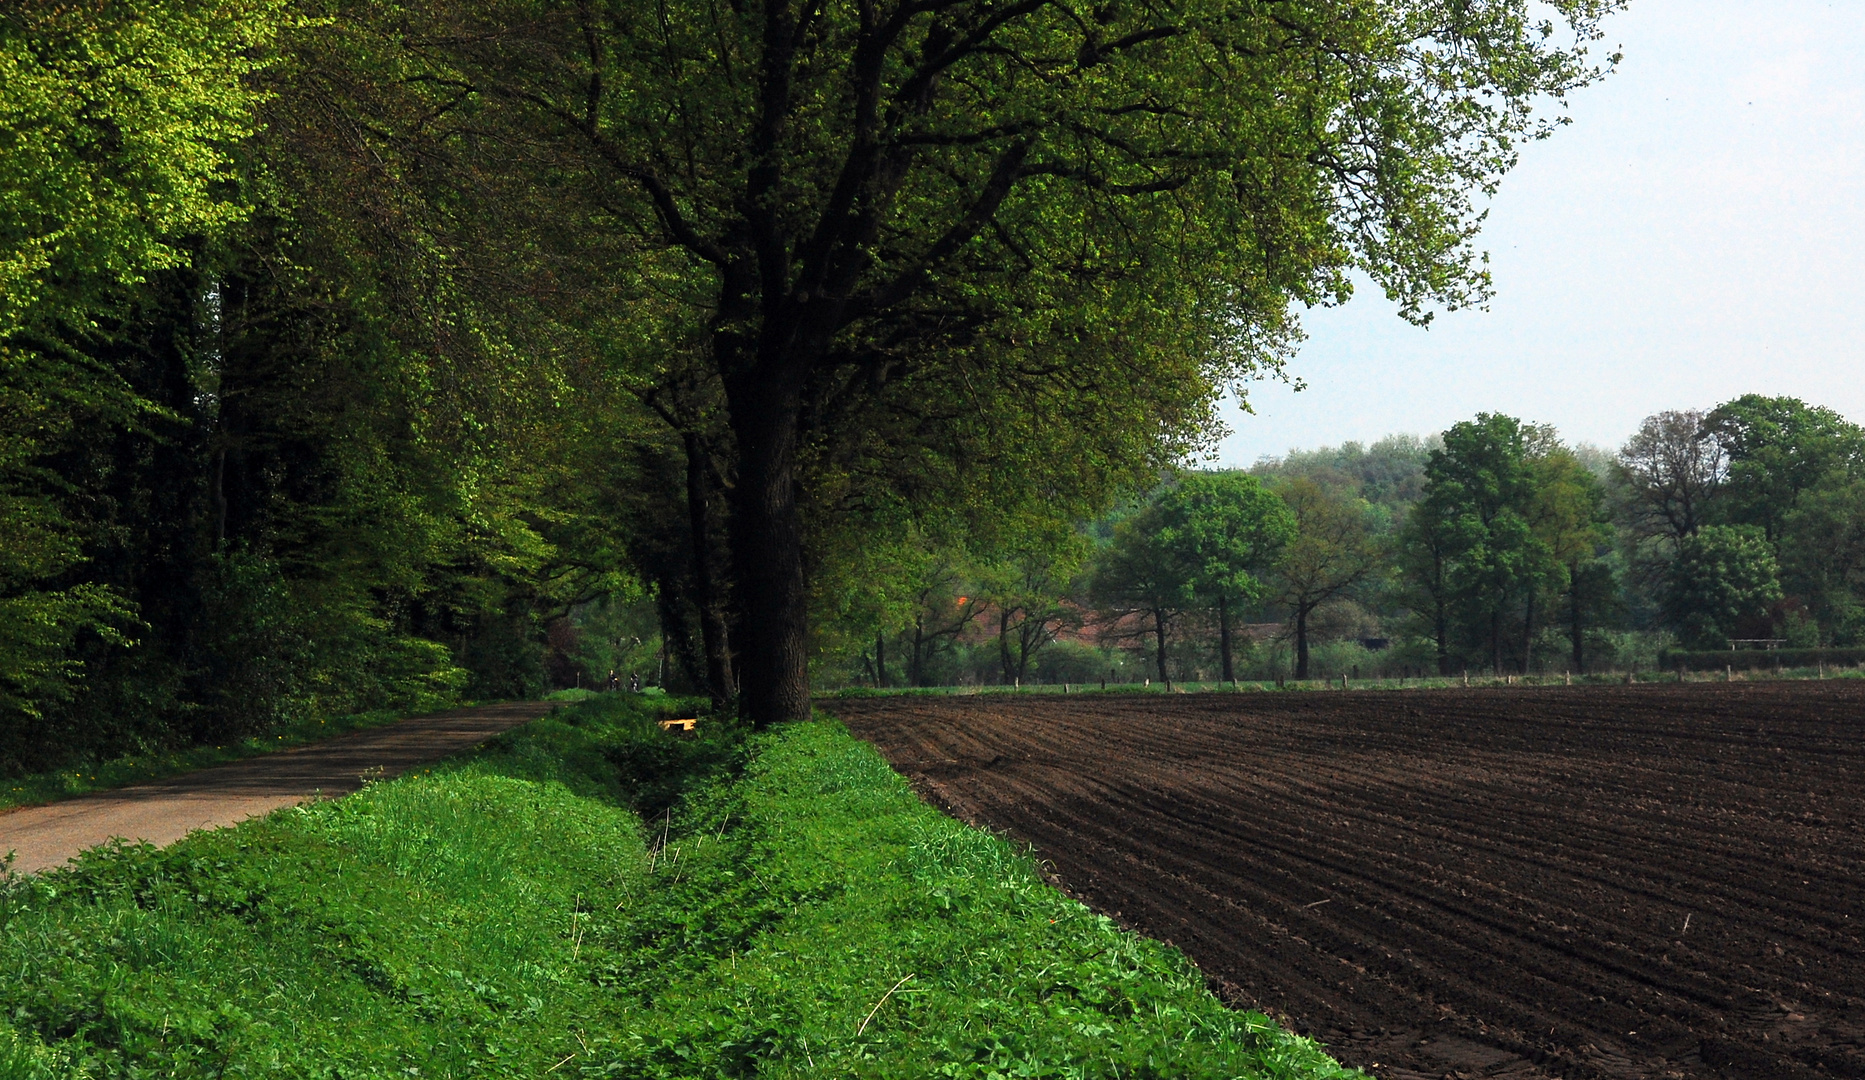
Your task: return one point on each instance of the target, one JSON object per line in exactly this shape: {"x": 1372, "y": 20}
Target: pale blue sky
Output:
{"x": 1696, "y": 233}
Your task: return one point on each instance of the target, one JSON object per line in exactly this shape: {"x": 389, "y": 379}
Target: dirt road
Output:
{"x": 167, "y": 810}
{"x": 1639, "y": 883}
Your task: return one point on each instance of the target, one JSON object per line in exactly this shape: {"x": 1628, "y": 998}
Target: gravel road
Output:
{"x": 167, "y": 810}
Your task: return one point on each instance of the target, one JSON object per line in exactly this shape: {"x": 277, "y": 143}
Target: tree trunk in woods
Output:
{"x": 767, "y": 548}
{"x": 1495, "y": 642}
{"x": 677, "y": 639}
{"x": 714, "y": 638}
{"x": 1441, "y": 624}
{"x": 1011, "y": 672}
{"x": 1528, "y": 631}
{"x": 1223, "y": 638}
{"x": 1578, "y": 636}
{"x": 220, "y": 499}
{"x": 915, "y": 664}
{"x": 1301, "y": 642}
{"x": 880, "y": 661}
{"x": 1159, "y": 630}
{"x": 1026, "y": 646}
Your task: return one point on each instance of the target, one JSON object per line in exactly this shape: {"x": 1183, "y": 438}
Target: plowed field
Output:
{"x": 1655, "y": 881}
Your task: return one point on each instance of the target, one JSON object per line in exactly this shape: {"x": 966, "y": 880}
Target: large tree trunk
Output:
{"x": 767, "y": 552}
{"x": 1159, "y": 631}
{"x": 1223, "y": 639}
{"x": 1301, "y": 641}
{"x": 710, "y": 598}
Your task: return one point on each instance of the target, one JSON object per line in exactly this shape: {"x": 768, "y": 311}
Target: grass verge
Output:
{"x": 591, "y": 897}
{"x": 1433, "y": 682}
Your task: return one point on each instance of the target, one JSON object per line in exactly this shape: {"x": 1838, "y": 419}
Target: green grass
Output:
{"x": 593, "y": 896}
{"x": 33, "y": 789}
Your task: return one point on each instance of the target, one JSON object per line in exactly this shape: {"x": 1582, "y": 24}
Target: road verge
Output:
{"x": 593, "y": 896}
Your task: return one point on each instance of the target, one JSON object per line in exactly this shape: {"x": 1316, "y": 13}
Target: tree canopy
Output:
{"x": 1777, "y": 449}
{"x": 907, "y": 240}
{"x": 358, "y": 355}
{"x": 1229, "y": 532}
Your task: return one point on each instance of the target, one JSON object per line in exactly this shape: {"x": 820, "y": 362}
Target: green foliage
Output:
{"x": 1485, "y": 482}
{"x": 1509, "y": 526}
{"x": 117, "y": 124}
{"x": 1389, "y": 474}
{"x": 119, "y": 120}
{"x": 1028, "y": 585}
{"x": 37, "y": 630}
{"x": 1229, "y": 530}
{"x": 1202, "y": 545}
{"x": 1823, "y": 557}
{"x": 1142, "y": 582}
{"x": 1777, "y": 449}
{"x": 503, "y": 914}
{"x": 1333, "y": 553}
{"x": 975, "y": 257}
{"x": 791, "y": 904}
{"x": 1722, "y": 584}
{"x": 437, "y": 922}
{"x": 273, "y": 448}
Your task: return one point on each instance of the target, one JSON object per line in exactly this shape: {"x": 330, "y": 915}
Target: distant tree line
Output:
{"x": 1492, "y": 547}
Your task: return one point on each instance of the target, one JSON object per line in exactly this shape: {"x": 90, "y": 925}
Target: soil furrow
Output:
{"x": 1617, "y": 882}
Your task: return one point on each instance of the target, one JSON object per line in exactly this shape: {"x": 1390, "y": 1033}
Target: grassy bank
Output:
{"x": 788, "y": 909}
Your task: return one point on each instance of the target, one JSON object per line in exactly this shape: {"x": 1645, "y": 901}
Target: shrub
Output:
{"x": 1759, "y": 659}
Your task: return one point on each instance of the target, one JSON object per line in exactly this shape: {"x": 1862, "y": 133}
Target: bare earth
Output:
{"x": 1658, "y": 882}
{"x": 167, "y": 810}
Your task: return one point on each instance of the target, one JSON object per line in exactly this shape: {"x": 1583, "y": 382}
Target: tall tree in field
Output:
{"x": 1778, "y": 448}
{"x": 1229, "y": 530}
{"x": 912, "y": 238}
{"x": 1142, "y": 575}
{"x": 1427, "y": 558}
{"x": 1823, "y": 558}
{"x": 1030, "y": 581}
{"x": 1566, "y": 514}
{"x": 1331, "y": 553}
{"x": 1481, "y": 486}
{"x": 1671, "y": 468}
{"x": 1721, "y": 585}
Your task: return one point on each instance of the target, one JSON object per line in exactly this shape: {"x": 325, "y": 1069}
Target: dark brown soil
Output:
{"x": 1655, "y": 881}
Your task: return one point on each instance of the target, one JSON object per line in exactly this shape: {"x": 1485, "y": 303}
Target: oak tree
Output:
{"x": 1230, "y": 531}
{"x": 1010, "y": 246}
